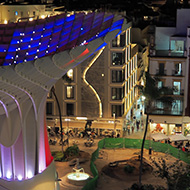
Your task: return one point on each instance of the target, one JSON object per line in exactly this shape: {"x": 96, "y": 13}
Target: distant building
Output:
{"x": 169, "y": 62}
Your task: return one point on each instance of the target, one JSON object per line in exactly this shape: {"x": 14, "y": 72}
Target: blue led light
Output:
{"x": 108, "y": 18}
{"x": 70, "y": 18}
{"x": 103, "y": 33}
{"x": 117, "y": 23}
{"x": 60, "y": 21}
{"x": 55, "y": 34}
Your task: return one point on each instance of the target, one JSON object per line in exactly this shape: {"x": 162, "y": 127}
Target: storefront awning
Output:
{"x": 159, "y": 136}
{"x": 179, "y": 137}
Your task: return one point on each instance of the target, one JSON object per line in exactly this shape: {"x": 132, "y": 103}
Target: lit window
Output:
{"x": 117, "y": 58}
{"x": 178, "y": 69}
{"x": 70, "y": 74}
{"x": 176, "y": 87}
{"x": 145, "y": 17}
{"x": 16, "y": 13}
{"x": 177, "y": 45}
{"x": 160, "y": 84}
{"x": 119, "y": 41}
{"x": 70, "y": 92}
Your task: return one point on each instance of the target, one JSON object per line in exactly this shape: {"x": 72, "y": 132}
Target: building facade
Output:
{"x": 169, "y": 63}
{"x": 103, "y": 88}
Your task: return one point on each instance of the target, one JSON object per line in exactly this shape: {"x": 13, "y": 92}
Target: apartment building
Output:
{"x": 102, "y": 89}
{"x": 169, "y": 63}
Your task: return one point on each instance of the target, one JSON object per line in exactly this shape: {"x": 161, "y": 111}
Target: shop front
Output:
{"x": 169, "y": 125}
{"x": 166, "y": 128}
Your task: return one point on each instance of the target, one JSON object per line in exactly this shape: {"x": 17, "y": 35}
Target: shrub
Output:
{"x": 72, "y": 151}
{"x": 58, "y": 156}
{"x": 129, "y": 169}
{"x": 135, "y": 186}
{"x": 148, "y": 187}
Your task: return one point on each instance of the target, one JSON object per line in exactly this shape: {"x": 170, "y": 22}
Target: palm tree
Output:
{"x": 152, "y": 93}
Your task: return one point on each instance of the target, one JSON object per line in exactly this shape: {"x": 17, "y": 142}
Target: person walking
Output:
{"x": 137, "y": 124}
{"x": 132, "y": 129}
{"x": 128, "y": 129}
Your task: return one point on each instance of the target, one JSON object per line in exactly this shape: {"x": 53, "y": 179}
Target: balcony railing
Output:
{"x": 179, "y": 92}
{"x": 176, "y": 73}
{"x": 164, "y": 111}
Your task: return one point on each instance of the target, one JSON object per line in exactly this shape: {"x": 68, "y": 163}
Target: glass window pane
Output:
{"x": 70, "y": 92}
{"x": 70, "y": 109}
{"x": 117, "y": 58}
{"x": 49, "y": 108}
{"x": 176, "y": 87}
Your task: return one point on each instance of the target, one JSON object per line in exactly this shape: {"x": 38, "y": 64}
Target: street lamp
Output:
{"x": 59, "y": 109}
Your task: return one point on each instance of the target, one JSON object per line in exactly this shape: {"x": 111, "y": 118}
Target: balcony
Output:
{"x": 176, "y": 73}
{"x": 179, "y": 92}
{"x": 165, "y": 111}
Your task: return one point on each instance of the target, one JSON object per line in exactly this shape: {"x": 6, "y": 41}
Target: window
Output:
{"x": 161, "y": 68}
{"x": 118, "y": 110}
{"x": 16, "y": 13}
{"x": 115, "y": 42}
{"x": 160, "y": 84}
{"x": 117, "y": 58}
{"x": 117, "y": 76}
{"x": 69, "y": 92}
{"x": 177, "y": 106}
{"x": 49, "y": 108}
{"x": 119, "y": 41}
{"x": 70, "y": 109}
{"x": 159, "y": 105}
{"x": 122, "y": 40}
{"x": 117, "y": 93}
{"x": 178, "y": 69}
{"x": 21, "y": 14}
{"x": 34, "y": 13}
{"x": 176, "y": 87}
{"x": 177, "y": 45}
{"x": 70, "y": 74}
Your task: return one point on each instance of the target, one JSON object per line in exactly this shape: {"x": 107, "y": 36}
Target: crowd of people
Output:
{"x": 135, "y": 126}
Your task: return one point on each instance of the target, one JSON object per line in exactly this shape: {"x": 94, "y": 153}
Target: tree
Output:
{"x": 152, "y": 93}
{"x": 176, "y": 173}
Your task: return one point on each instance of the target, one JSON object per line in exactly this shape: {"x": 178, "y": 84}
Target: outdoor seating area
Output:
{"x": 178, "y": 140}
